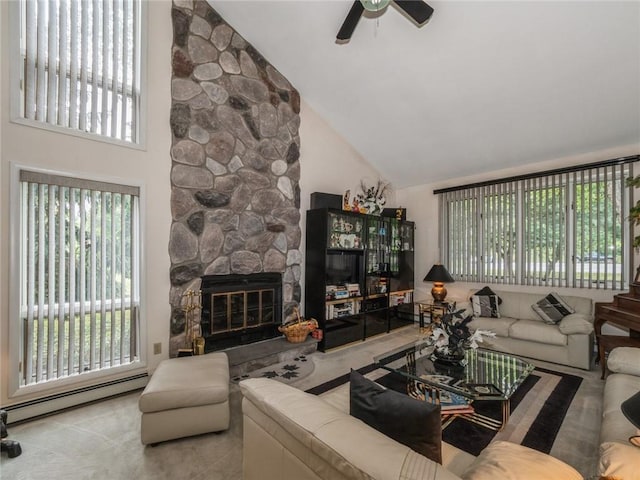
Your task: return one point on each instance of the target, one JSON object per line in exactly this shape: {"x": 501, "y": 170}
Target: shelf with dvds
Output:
{"x": 348, "y": 279}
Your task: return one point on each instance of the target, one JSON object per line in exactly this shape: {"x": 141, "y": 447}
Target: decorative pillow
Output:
{"x": 412, "y": 422}
{"x": 487, "y": 291}
{"x": 485, "y": 306}
{"x": 552, "y": 308}
{"x": 575, "y": 323}
{"x": 509, "y": 461}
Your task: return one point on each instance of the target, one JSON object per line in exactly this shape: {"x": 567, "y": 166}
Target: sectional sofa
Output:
{"x": 618, "y": 458}
{"x": 290, "y": 434}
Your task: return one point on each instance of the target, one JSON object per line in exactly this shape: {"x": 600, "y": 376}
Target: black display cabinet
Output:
{"x": 352, "y": 273}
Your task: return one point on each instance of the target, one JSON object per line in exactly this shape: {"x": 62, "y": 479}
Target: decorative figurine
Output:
{"x": 345, "y": 201}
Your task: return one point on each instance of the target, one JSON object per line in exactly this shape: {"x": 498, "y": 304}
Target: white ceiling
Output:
{"x": 484, "y": 85}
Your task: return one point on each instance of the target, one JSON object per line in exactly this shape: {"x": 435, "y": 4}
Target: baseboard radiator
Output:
{"x": 51, "y": 404}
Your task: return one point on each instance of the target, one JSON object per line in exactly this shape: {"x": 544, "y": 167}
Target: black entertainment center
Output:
{"x": 359, "y": 274}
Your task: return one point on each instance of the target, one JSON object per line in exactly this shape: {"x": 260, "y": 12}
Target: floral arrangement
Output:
{"x": 451, "y": 336}
{"x": 370, "y": 199}
{"x": 373, "y": 198}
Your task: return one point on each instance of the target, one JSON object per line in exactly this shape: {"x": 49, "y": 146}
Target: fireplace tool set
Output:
{"x": 192, "y": 307}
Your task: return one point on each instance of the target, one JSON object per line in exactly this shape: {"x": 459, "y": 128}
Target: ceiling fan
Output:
{"x": 418, "y": 10}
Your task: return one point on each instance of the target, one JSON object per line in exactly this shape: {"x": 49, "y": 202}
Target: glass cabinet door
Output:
{"x": 395, "y": 246}
{"x": 345, "y": 231}
{"x": 406, "y": 236}
{"x": 378, "y": 233}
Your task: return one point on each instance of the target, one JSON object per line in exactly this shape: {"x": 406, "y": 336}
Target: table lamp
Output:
{"x": 439, "y": 276}
{"x": 631, "y": 409}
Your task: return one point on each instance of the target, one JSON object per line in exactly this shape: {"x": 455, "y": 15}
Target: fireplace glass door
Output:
{"x": 241, "y": 309}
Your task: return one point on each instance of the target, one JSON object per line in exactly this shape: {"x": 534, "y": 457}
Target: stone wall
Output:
{"x": 235, "y": 197}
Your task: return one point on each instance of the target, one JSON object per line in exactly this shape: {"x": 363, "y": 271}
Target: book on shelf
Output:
{"x": 353, "y": 289}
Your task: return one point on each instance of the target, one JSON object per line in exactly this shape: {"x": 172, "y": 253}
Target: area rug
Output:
{"x": 287, "y": 372}
{"x": 538, "y": 409}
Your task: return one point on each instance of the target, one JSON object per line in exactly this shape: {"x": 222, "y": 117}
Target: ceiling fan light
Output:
{"x": 374, "y": 5}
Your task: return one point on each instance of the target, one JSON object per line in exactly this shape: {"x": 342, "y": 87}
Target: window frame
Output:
{"x": 573, "y": 182}
{"x": 15, "y": 389}
{"x": 15, "y": 97}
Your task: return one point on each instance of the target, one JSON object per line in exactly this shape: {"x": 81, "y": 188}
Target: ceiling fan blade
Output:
{"x": 351, "y": 21}
{"x": 417, "y": 9}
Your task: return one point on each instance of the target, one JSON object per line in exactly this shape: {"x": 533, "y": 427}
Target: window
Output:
{"x": 80, "y": 66}
{"x": 565, "y": 228}
{"x": 78, "y": 276}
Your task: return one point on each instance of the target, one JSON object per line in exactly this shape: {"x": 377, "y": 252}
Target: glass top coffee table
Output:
{"x": 486, "y": 375}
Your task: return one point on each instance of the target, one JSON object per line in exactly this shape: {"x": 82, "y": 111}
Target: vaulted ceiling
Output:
{"x": 484, "y": 85}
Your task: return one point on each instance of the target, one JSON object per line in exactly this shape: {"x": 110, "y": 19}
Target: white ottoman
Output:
{"x": 186, "y": 396}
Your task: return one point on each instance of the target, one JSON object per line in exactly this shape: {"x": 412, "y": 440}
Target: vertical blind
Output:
{"x": 81, "y": 65}
{"x": 79, "y": 275}
{"x": 560, "y": 229}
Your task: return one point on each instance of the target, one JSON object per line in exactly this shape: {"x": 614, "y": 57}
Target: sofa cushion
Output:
{"x": 485, "y": 306}
{"x": 518, "y": 304}
{"x": 187, "y": 382}
{"x": 624, "y": 360}
{"x": 615, "y": 426}
{"x": 412, "y": 422}
{"x": 509, "y": 461}
{"x": 552, "y": 308}
{"x": 535, "y": 331}
{"x": 575, "y": 323}
{"x": 619, "y": 460}
{"x": 499, "y": 326}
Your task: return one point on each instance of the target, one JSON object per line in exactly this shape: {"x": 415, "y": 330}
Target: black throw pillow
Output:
{"x": 485, "y": 291}
{"x": 412, "y": 422}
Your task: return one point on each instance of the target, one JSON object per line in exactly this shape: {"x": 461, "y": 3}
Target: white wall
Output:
{"x": 43, "y": 149}
{"x": 329, "y": 163}
{"x": 422, "y": 206}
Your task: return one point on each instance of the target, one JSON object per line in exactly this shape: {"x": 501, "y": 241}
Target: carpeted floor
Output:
{"x": 102, "y": 440}
{"x": 538, "y": 409}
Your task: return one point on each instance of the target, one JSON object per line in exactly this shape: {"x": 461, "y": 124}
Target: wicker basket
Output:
{"x": 297, "y": 331}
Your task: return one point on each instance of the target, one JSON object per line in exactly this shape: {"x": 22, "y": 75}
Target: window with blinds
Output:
{"x": 80, "y": 65}
{"x": 565, "y": 228}
{"x": 79, "y": 276}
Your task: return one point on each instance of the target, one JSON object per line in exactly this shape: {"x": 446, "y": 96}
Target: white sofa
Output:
{"x": 289, "y": 434}
{"x": 618, "y": 458}
{"x": 520, "y": 331}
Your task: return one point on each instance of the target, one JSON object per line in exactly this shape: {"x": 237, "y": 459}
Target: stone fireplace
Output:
{"x": 240, "y": 309}
{"x": 235, "y": 198}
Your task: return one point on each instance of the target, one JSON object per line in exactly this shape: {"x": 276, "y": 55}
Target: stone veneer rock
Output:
{"x": 235, "y": 198}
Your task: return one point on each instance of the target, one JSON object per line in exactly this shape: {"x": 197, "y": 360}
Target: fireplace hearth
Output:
{"x": 240, "y": 309}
